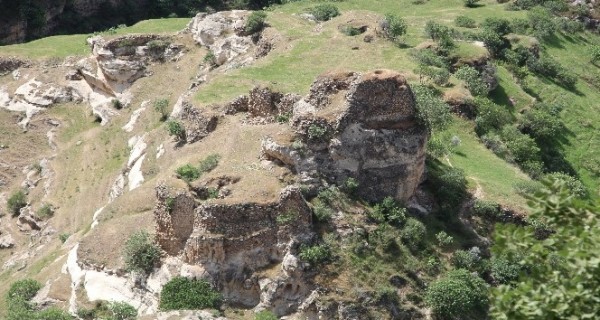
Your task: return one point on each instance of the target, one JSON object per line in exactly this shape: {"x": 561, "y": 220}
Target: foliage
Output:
{"x": 506, "y": 268}
{"x": 23, "y": 289}
{"x": 108, "y": 311}
{"x": 413, "y": 233}
{"x": 188, "y": 173}
{"x": 546, "y": 66}
{"x": 594, "y": 53}
{"x": 499, "y": 26}
{"x": 465, "y": 22}
{"x": 563, "y": 280}
{"x": 160, "y": 106}
{"x": 470, "y": 3}
{"x": 117, "y": 104}
{"x": 53, "y": 314}
{"x": 350, "y": 30}
{"x": 444, "y": 239}
{"x": 210, "y": 59}
{"x": 472, "y": 80}
{"x": 265, "y": 315}
{"x": 395, "y": 27}
{"x": 322, "y": 212}
{"x": 458, "y": 295}
{"x": 140, "y": 253}
{"x": 175, "y": 128}
{"x": 450, "y": 186}
{"x": 16, "y": 201}
{"x": 521, "y": 146}
{"x": 469, "y": 260}
{"x": 255, "y": 22}
{"x": 486, "y": 208}
{"x": 575, "y": 187}
{"x": 209, "y": 163}
{"x": 351, "y": 186}
{"x": 315, "y": 255}
{"x": 324, "y": 12}
{"x": 182, "y": 293}
{"x": 490, "y": 116}
{"x": 316, "y": 132}
{"x": 286, "y": 217}
{"x": 45, "y": 211}
{"x": 428, "y": 57}
{"x": 431, "y": 109}
{"x": 542, "y": 22}
{"x": 122, "y": 311}
{"x": 542, "y": 122}
{"x": 390, "y": 211}
{"x": 64, "y": 236}
{"x": 439, "y": 76}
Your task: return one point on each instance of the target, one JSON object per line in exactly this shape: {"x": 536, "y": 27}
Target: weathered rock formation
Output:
{"x": 357, "y": 126}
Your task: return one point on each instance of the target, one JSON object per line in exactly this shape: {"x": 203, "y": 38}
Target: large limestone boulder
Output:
{"x": 360, "y": 126}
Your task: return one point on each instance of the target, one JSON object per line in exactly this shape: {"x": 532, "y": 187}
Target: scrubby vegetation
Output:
{"x": 16, "y": 201}
{"x": 19, "y": 305}
{"x": 141, "y": 255}
{"x": 182, "y": 293}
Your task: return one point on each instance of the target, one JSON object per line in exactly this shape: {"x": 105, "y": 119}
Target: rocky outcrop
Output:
{"x": 232, "y": 242}
{"x": 360, "y": 126}
{"x": 9, "y": 64}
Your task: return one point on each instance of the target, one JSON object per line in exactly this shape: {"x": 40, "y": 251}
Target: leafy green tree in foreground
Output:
{"x": 563, "y": 280}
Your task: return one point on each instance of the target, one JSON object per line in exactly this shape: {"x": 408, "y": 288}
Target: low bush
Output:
{"x": 45, "y": 211}
{"x": 255, "y": 22}
{"x": 458, "y": 295}
{"x": 176, "y": 129}
{"x": 188, "y": 173}
{"x": 444, "y": 239}
{"x": 413, "y": 233}
{"x": 315, "y": 255}
{"x": 324, "y": 12}
{"x": 432, "y": 111}
{"x": 594, "y": 53}
{"x": 350, "y": 31}
{"x": 287, "y": 217}
{"x": 472, "y": 80}
{"x": 316, "y": 132}
{"x": 574, "y": 185}
{"x": 394, "y": 27}
{"x": 16, "y": 202}
{"x": 265, "y": 315}
{"x": 209, "y": 163}
{"x": 389, "y": 211}
{"x": 469, "y": 260}
{"x": 63, "y": 237}
{"x": 490, "y": 117}
{"x": 450, "y": 186}
{"x": 185, "y": 294}
{"x": 140, "y": 253}
{"x": 542, "y": 122}
{"x": 465, "y": 22}
{"x": 351, "y": 186}
{"x": 521, "y": 146}
{"x": 117, "y": 104}
{"x": 506, "y": 268}
{"x": 470, "y": 3}
{"x": 322, "y": 212}
{"x": 161, "y": 106}
{"x": 542, "y": 22}
{"x": 499, "y": 26}
{"x": 486, "y": 208}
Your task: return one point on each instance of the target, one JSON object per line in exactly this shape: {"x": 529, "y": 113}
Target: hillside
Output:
{"x": 314, "y": 160}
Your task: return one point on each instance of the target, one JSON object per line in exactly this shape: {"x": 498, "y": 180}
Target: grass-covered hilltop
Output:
{"x": 388, "y": 159}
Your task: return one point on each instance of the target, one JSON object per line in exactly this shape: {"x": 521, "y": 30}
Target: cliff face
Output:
{"x": 39, "y": 18}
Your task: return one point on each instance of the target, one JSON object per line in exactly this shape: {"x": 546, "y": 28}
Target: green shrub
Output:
{"x": 469, "y": 260}
{"x": 324, "y": 12}
{"x": 255, "y": 22}
{"x": 54, "y": 313}
{"x": 542, "y": 122}
{"x": 140, "y": 253}
{"x": 184, "y": 294}
{"x": 322, "y": 212}
{"x": 16, "y": 202}
{"x": 188, "y": 173}
{"x": 458, "y": 295}
{"x": 450, "y": 187}
{"x": 490, "y": 116}
{"x": 351, "y": 186}
{"x": 444, "y": 239}
{"x": 527, "y": 187}
{"x": 594, "y": 53}
{"x": 23, "y": 290}
{"x": 506, "y": 268}
{"x": 209, "y": 163}
{"x": 542, "y": 22}
{"x": 315, "y": 255}
{"x": 395, "y": 27}
{"x": 316, "y": 132}
{"x": 176, "y": 129}
{"x": 486, "y": 208}
{"x": 350, "y": 30}
{"x": 265, "y": 315}
{"x": 161, "y": 106}
{"x": 413, "y": 233}
{"x": 435, "y": 31}
{"x": 428, "y": 57}
{"x": 287, "y": 217}
{"x": 470, "y": 3}
{"x": 157, "y": 45}
{"x": 465, "y": 22}
{"x": 432, "y": 111}
{"x": 521, "y": 146}
{"x": 389, "y": 211}
{"x": 472, "y": 80}
{"x": 116, "y": 104}
{"x": 64, "y": 236}
{"x": 210, "y": 59}
{"x": 45, "y": 211}
{"x": 575, "y": 187}
{"x": 499, "y": 26}
{"x": 122, "y": 311}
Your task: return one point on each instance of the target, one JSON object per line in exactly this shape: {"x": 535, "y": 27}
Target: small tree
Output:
{"x": 472, "y": 80}
{"x": 160, "y": 106}
{"x": 176, "y": 129}
{"x": 16, "y": 202}
{"x": 188, "y": 173}
{"x": 255, "y": 22}
{"x": 140, "y": 253}
{"x": 394, "y": 27}
{"x": 458, "y": 295}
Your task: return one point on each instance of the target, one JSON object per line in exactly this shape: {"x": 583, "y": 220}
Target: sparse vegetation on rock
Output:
{"x": 16, "y": 201}
{"x": 140, "y": 253}
{"x": 181, "y": 293}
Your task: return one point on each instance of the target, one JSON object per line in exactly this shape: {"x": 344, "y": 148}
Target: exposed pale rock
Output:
{"x": 135, "y": 116}
{"x": 6, "y": 241}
